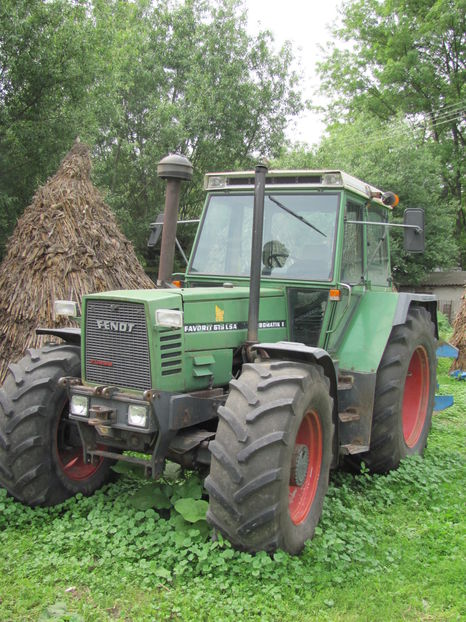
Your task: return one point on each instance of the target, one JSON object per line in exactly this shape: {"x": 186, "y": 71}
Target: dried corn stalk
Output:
{"x": 66, "y": 243}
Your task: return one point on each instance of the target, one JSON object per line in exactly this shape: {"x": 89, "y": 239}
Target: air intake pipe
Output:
{"x": 175, "y": 169}
{"x": 256, "y": 255}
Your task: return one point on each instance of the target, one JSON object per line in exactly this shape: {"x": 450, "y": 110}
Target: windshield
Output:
{"x": 298, "y": 239}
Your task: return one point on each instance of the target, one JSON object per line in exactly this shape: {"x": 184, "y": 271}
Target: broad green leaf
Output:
{"x": 191, "y": 489}
{"x": 192, "y": 510}
{"x": 150, "y": 496}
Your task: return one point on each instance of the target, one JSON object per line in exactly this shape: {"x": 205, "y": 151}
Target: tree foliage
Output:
{"x": 45, "y": 76}
{"x": 391, "y": 156}
{"x": 406, "y": 57}
{"x": 138, "y": 80}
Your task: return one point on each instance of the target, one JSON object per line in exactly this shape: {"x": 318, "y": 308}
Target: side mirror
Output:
{"x": 413, "y": 221}
{"x": 155, "y": 231}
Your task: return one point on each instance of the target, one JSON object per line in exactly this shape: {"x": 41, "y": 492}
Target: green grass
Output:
{"x": 387, "y": 548}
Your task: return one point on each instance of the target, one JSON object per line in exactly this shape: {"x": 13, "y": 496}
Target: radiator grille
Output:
{"x": 117, "y": 347}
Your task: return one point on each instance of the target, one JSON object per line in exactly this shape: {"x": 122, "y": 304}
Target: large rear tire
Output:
{"x": 404, "y": 394}
{"x": 41, "y": 457}
{"x": 271, "y": 457}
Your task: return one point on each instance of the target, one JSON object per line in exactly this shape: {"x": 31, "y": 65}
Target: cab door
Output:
{"x": 351, "y": 282}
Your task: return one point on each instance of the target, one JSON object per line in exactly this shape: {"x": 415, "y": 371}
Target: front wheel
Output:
{"x": 41, "y": 455}
{"x": 271, "y": 457}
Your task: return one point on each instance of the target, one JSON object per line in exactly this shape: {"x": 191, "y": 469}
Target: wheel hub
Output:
{"x": 299, "y": 465}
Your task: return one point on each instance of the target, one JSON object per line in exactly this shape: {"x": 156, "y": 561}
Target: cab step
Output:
{"x": 345, "y": 383}
{"x": 350, "y": 414}
{"x": 353, "y": 449}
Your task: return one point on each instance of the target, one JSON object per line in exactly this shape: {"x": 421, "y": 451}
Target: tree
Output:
{"x": 137, "y": 80}
{"x": 406, "y": 56}
{"x": 391, "y": 156}
{"x": 191, "y": 80}
{"x": 45, "y": 75}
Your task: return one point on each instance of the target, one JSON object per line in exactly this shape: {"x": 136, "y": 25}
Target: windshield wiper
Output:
{"x": 301, "y": 218}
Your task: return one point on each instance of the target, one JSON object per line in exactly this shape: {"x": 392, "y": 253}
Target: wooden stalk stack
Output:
{"x": 67, "y": 243}
{"x": 459, "y": 336}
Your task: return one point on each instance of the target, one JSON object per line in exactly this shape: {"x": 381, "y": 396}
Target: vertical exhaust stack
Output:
{"x": 175, "y": 169}
{"x": 256, "y": 255}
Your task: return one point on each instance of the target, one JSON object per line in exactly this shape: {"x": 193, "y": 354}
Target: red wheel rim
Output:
{"x": 70, "y": 451}
{"x": 301, "y": 496}
{"x": 415, "y": 396}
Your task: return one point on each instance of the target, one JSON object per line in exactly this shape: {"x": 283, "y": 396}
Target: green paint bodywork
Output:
{"x": 215, "y": 324}
{"x": 367, "y": 334}
{"x": 215, "y": 321}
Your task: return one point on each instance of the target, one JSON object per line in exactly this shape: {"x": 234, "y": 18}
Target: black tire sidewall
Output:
{"x": 417, "y": 339}
{"x": 387, "y": 445}
{"x": 293, "y": 535}
{"x": 253, "y": 451}
{"x": 33, "y": 403}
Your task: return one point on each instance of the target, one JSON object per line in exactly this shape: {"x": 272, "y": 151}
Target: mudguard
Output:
{"x": 70, "y": 335}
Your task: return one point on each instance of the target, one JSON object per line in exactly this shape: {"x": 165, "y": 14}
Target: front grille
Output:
{"x": 117, "y": 347}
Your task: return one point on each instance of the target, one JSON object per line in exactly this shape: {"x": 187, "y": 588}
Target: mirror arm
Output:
{"x": 383, "y": 224}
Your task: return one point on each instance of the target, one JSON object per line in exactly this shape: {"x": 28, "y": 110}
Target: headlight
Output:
{"x": 68, "y": 308}
{"x": 79, "y": 405}
{"x": 169, "y": 318}
{"x": 137, "y": 416}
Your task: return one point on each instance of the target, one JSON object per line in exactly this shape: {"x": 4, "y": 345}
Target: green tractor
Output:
{"x": 285, "y": 353}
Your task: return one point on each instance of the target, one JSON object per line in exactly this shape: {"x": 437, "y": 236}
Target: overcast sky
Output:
{"x": 305, "y": 24}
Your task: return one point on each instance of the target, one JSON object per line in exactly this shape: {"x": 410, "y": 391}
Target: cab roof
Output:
{"x": 293, "y": 179}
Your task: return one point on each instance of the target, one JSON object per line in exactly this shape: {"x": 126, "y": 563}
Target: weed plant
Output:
{"x": 387, "y": 548}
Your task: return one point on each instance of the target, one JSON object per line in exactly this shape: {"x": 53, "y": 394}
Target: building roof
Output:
{"x": 453, "y": 278}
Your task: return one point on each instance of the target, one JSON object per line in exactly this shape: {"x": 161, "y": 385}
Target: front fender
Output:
{"x": 295, "y": 351}
{"x": 70, "y": 335}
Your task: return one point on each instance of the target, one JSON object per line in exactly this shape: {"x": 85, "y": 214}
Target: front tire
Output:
{"x": 404, "y": 394}
{"x": 271, "y": 457}
{"x": 41, "y": 457}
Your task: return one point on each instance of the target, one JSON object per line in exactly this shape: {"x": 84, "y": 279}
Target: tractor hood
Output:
{"x": 122, "y": 327}
{"x": 210, "y": 310}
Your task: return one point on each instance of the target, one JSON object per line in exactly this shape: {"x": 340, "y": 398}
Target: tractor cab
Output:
{"x": 309, "y": 230}
{"x": 325, "y": 241}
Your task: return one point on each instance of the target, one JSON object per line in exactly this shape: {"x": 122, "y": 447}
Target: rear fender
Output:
{"x": 408, "y": 300}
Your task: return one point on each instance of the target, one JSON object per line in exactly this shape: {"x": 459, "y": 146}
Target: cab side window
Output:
{"x": 378, "y": 263}
{"x": 352, "y": 264}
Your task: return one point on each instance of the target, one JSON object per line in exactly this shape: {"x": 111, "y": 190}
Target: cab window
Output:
{"x": 352, "y": 262}
{"x": 378, "y": 263}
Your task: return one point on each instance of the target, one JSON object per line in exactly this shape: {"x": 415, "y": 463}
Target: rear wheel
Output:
{"x": 404, "y": 394}
{"x": 41, "y": 455}
{"x": 271, "y": 457}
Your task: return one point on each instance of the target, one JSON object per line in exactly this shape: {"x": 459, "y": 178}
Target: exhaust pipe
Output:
{"x": 175, "y": 169}
{"x": 256, "y": 256}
